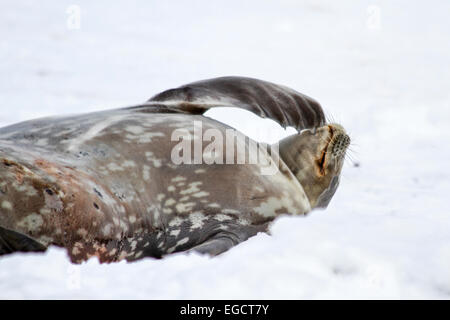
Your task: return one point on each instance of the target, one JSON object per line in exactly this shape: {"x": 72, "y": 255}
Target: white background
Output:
{"x": 380, "y": 68}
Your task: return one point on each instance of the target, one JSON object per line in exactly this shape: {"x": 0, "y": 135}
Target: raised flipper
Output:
{"x": 12, "y": 241}
{"x": 268, "y": 100}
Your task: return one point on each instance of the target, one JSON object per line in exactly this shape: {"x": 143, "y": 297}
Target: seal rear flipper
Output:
{"x": 268, "y": 100}
{"x": 12, "y": 241}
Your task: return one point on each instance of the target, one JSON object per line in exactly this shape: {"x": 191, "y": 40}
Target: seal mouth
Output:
{"x": 321, "y": 162}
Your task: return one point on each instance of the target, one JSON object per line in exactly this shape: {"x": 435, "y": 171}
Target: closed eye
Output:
{"x": 321, "y": 162}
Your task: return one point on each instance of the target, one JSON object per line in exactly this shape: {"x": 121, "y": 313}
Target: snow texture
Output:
{"x": 380, "y": 68}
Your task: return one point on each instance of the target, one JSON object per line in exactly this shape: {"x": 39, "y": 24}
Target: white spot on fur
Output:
{"x": 156, "y": 215}
{"x": 147, "y": 137}
{"x": 82, "y": 232}
{"x": 151, "y": 158}
{"x": 222, "y": 217}
{"x": 200, "y": 194}
{"x": 196, "y": 220}
{"x": 184, "y": 207}
{"x": 146, "y": 172}
{"x": 243, "y": 222}
{"x": 258, "y": 189}
{"x": 178, "y": 179}
{"x": 129, "y": 164}
{"x": 6, "y": 205}
{"x": 107, "y": 229}
{"x": 122, "y": 255}
{"x": 28, "y": 190}
{"x": 230, "y": 211}
{"x": 182, "y": 241}
{"x": 32, "y": 222}
{"x": 175, "y": 222}
{"x": 268, "y": 208}
{"x": 41, "y": 142}
{"x": 144, "y": 137}
{"x": 170, "y": 202}
{"x": 45, "y": 240}
{"x": 179, "y": 243}
{"x": 175, "y": 233}
{"x": 192, "y": 188}
{"x": 136, "y": 130}
{"x": 114, "y": 167}
{"x": 75, "y": 251}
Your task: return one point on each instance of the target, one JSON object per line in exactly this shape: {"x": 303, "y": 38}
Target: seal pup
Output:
{"x": 105, "y": 184}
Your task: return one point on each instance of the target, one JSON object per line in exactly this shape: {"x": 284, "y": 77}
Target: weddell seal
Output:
{"x": 159, "y": 178}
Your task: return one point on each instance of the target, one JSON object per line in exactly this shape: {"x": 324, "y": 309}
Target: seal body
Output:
{"x": 105, "y": 184}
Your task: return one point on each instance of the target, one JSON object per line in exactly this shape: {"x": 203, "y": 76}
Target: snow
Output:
{"x": 381, "y": 68}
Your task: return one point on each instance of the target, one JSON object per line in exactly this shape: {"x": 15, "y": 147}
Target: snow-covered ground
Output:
{"x": 381, "y": 68}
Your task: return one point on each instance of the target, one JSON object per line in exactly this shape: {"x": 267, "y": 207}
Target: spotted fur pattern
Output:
{"x": 104, "y": 185}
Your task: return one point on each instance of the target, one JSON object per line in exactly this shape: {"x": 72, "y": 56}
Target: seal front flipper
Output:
{"x": 12, "y": 241}
{"x": 268, "y": 100}
{"x": 227, "y": 236}
{"x": 214, "y": 247}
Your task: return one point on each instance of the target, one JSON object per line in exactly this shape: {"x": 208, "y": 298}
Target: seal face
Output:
{"x": 316, "y": 158}
{"x": 106, "y": 184}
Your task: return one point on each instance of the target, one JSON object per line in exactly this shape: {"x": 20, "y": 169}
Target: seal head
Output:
{"x": 316, "y": 157}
